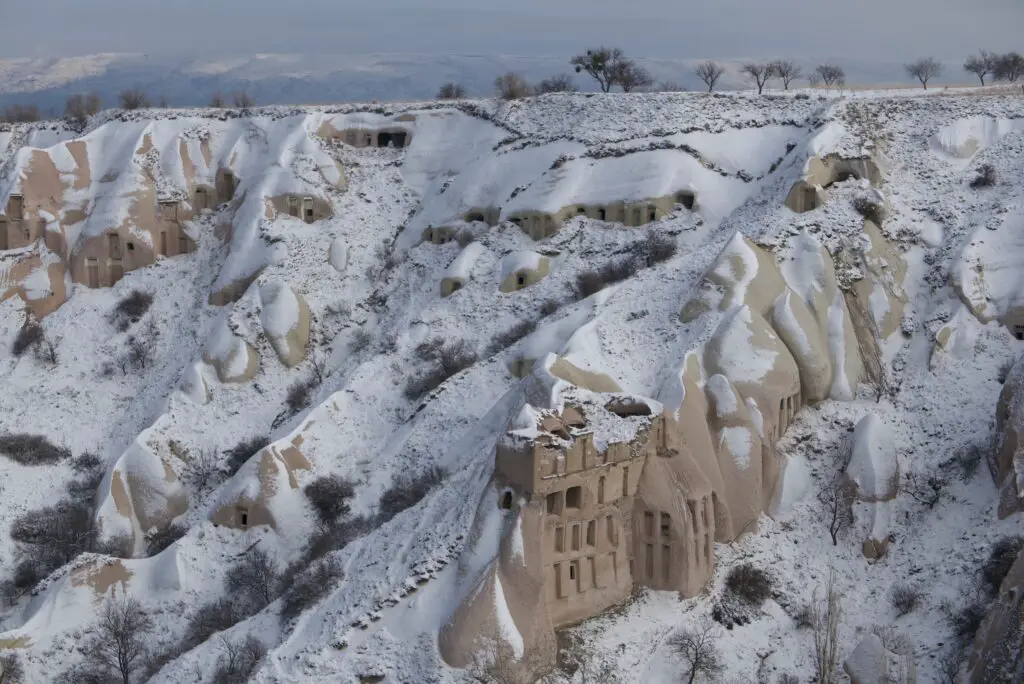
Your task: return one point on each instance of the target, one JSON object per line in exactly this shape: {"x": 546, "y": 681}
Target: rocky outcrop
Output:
{"x": 286, "y": 321}
{"x": 1009, "y": 470}
{"x": 820, "y": 173}
{"x": 874, "y": 475}
{"x": 264, "y": 490}
{"x": 234, "y": 359}
{"x": 522, "y": 269}
{"x": 998, "y": 654}
{"x": 873, "y": 663}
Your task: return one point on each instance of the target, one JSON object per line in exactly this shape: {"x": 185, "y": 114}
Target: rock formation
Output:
{"x": 998, "y": 654}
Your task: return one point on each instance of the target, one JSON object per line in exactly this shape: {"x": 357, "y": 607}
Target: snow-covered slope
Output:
{"x": 327, "y": 354}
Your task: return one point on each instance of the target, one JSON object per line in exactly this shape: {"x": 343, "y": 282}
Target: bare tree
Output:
{"x": 826, "y": 614}
{"x": 11, "y": 671}
{"x": 117, "y": 645}
{"x": 698, "y": 648}
{"x": 630, "y": 76}
{"x": 759, "y": 73}
{"x": 838, "y": 497}
{"x": 79, "y": 108}
{"x": 924, "y": 70}
{"x": 256, "y": 576}
{"x": 238, "y": 661}
{"x": 1008, "y": 67}
{"x": 243, "y": 100}
{"x": 600, "y": 64}
{"x": 787, "y": 71}
{"x": 981, "y": 64}
{"x": 21, "y": 114}
{"x": 831, "y": 75}
{"x": 451, "y": 91}
{"x": 512, "y": 86}
{"x": 709, "y": 72}
{"x": 557, "y": 84}
{"x": 217, "y": 100}
{"x": 133, "y": 98}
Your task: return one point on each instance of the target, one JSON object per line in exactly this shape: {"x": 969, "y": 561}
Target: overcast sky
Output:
{"x": 855, "y": 29}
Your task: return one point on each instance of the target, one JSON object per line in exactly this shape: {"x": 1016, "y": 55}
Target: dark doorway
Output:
{"x": 384, "y": 140}
{"x": 506, "y": 500}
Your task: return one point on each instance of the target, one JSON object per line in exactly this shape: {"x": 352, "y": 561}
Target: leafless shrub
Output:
{"x": 448, "y": 359}
{"x": 837, "y": 496}
{"x": 255, "y": 579}
{"x": 465, "y": 237}
{"x": 300, "y": 394}
{"x": 241, "y": 452}
{"x": 512, "y": 86}
{"x": 506, "y": 339}
{"x": 550, "y": 306}
{"x": 11, "y": 670}
{"x": 217, "y": 100}
{"x": 924, "y": 70}
{"x": 709, "y": 72}
{"x": 986, "y": 177}
{"x": 243, "y": 100}
{"x": 451, "y": 91}
{"x": 830, "y": 75}
{"x": 904, "y": 598}
{"x": 211, "y": 618}
{"x": 79, "y": 108}
{"x": 361, "y": 339}
{"x": 949, "y": 665}
{"x": 868, "y": 208}
{"x": 29, "y": 449}
{"x": 309, "y": 588}
{"x": 340, "y": 309}
{"x": 329, "y": 495}
{"x": 408, "y": 490}
{"x": 965, "y": 620}
{"x": 655, "y": 249}
{"x": 557, "y": 84}
{"x": 601, "y": 64}
{"x": 131, "y": 309}
{"x": 826, "y": 614}
{"x": 336, "y": 537}
{"x": 752, "y": 585}
{"x": 133, "y": 98}
{"x": 697, "y": 647}
{"x": 116, "y": 646}
{"x": 160, "y": 539}
{"x": 758, "y": 72}
{"x": 788, "y": 678}
{"x": 21, "y": 114}
{"x": 1004, "y": 371}
{"x": 925, "y": 488}
{"x": 238, "y": 660}
{"x": 981, "y": 65}
{"x": 29, "y": 336}
{"x": 803, "y": 617}
{"x": 787, "y": 71}
{"x": 593, "y": 281}
{"x": 1001, "y": 557}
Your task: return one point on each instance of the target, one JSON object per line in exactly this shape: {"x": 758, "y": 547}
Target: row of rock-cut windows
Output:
{"x": 583, "y": 575}
{"x": 573, "y": 537}
{"x": 666, "y": 562}
{"x": 664, "y": 530}
{"x": 573, "y": 496}
{"x": 570, "y": 498}
{"x": 788, "y": 406}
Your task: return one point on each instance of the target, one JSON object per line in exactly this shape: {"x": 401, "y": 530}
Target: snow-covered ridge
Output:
{"x": 758, "y": 305}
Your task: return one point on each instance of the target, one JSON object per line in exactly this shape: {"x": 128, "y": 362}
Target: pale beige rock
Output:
{"x": 998, "y": 653}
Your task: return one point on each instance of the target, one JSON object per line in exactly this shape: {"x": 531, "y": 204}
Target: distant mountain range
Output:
{"x": 312, "y": 79}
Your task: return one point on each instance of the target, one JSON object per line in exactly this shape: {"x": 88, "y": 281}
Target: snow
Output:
{"x": 461, "y": 267}
{"x": 737, "y": 264}
{"x": 965, "y": 138}
{"x": 725, "y": 399}
{"x": 280, "y": 313}
{"x": 841, "y": 390}
{"x": 737, "y": 440}
{"x": 361, "y": 426}
{"x": 506, "y": 624}
{"x": 338, "y": 255}
{"x": 519, "y": 261}
{"x": 872, "y": 465}
{"x": 518, "y": 553}
{"x": 738, "y": 357}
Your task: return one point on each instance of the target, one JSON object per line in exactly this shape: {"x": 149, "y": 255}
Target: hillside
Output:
{"x": 235, "y": 307}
